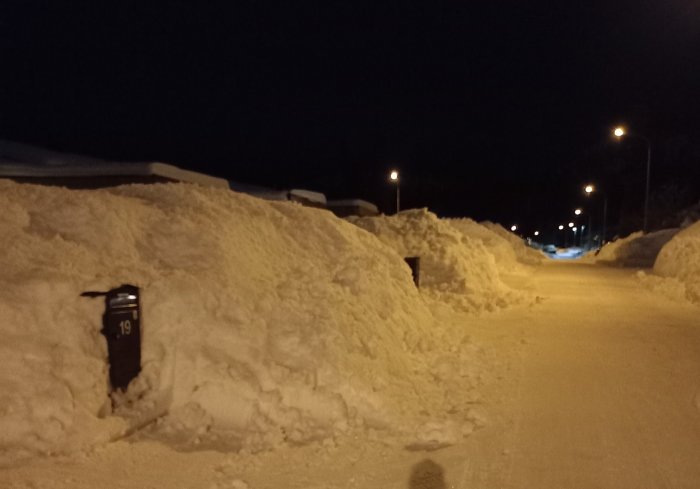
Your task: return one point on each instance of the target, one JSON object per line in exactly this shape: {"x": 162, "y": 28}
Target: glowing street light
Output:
{"x": 513, "y": 228}
{"x": 589, "y": 189}
{"x": 536, "y": 233}
{"x": 571, "y": 224}
{"x": 619, "y": 132}
{"x": 394, "y": 178}
{"x": 574, "y": 229}
{"x": 578, "y": 212}
{"x": 561, "y": 228}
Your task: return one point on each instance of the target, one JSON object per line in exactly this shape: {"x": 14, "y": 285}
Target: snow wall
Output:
{"x": 502, "y": 249}
{"x": 636, "y": 250}
{"x": 679, "y": 260}
{"x": 523, "y": 252}
{"x": 455, "y": 267}
{"x": 264, "y": 323}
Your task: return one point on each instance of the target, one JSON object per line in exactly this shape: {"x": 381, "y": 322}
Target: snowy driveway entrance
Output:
{"x": 598, "y": 387}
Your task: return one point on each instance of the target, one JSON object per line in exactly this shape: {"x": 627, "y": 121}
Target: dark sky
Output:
{"x": 495, "y": 110}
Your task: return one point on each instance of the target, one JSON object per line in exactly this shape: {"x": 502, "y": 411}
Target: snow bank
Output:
{"x": 636, "y": 250}
{"x": 501, "y": 248}
{"x": 264, "y": 323}
{"x": 679, "y": 260}
{"x": 523, "y": 252}
{"x": 454, "y": 267}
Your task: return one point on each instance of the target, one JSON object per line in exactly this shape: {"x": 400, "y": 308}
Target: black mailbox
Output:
{"x": 121, "y": 326}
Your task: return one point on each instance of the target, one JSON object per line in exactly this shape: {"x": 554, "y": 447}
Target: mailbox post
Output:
{"x": 121, "y": 325}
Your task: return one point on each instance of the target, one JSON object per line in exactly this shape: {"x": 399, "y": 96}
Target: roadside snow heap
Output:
{"x": 636, "y": 250}
{"x": 454, "y": 267}
{"x": 523, "y": 252}
{"x": 264, "y": 323}
{"x": 501, "y": 248}
{"x": 679, "y": 260}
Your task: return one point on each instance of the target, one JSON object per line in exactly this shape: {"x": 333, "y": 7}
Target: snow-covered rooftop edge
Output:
{"x": 21, "y": 160}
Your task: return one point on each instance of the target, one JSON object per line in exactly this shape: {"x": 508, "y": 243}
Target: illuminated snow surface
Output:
{"x": 284, "y": 347}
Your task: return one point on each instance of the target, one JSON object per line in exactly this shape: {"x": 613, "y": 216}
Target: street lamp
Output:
{"x": 589, "y": 189}
{"x": 513, "y": 228}
{"x": 578, "y": 212}
{"x": 394, "y": 178}
{"x": 619, "y": 132}
{"x": 561, "y": 228}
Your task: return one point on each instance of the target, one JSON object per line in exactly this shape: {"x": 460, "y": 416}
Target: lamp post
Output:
{"x": 394, "y": 177}
{"x": 589, "y": 189}
{"x": 561, "y": 228}
{"x": 619, "y": 132}
{"x": 566, "y": 235}
{"x": 578, "y": 212}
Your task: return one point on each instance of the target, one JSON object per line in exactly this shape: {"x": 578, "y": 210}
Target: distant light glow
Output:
{"x": 561, "y": 226}
{"x": 537, "y": 233}
{"x": 394, "y": 175}
{"x": 571, "y": 224}
{"x": 574, "y": 229}
{"x": 578, "y": 212}
{"x": 589, "y": 189}
{"x": 619, "y": 132}
{"x": 513, "y": 227}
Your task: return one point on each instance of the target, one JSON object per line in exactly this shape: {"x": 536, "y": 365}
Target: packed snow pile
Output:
{"x": 636, "y": 250}
{"x": 679, "y": 260}
{"x": 608, "y": 253}
{"x": 501, "y": 248}
{"x": 523, "y": 252}
{"x": 264, "y": 323}
{"x": 454, "y": 267}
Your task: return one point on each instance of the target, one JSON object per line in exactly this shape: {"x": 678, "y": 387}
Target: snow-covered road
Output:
{"x": 595, "y": 386}
{"x": 607, "y": 388}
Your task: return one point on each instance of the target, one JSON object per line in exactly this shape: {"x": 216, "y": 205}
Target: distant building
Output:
{"x": 307, "y": 198}
{"x": 258, "y": 191}
{"x": 29, "y": 164}
{"x": 352, "y": 207}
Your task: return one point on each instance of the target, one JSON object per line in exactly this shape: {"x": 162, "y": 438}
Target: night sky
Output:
{"x": 495, "y": 110}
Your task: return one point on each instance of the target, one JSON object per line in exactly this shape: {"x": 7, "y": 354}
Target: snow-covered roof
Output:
{"x": 315, "y": 197}
{"x": 20, "y": 160}
{"x": 354, "y": 203}
{"x": 11, "y": 151}
{"x": 258, "y": 191}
